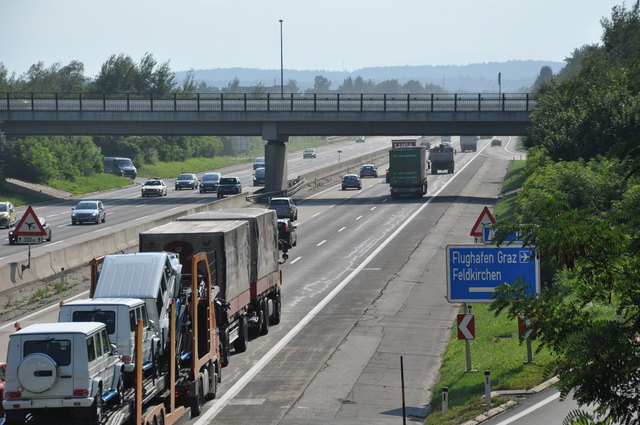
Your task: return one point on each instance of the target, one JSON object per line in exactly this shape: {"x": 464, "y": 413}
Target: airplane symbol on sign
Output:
{"x": 30, "y": 225}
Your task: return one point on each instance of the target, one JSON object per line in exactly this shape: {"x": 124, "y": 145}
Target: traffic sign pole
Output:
{"x": 467, "y": 345}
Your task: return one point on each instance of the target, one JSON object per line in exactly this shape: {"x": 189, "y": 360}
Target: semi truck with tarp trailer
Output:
{"x": 408, "y": 171}
{"x": 441, "y": 158}
{"x": 468, "y": 143}
{"x": 244, "y": 267}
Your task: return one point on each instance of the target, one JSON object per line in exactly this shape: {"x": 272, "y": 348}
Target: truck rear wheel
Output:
{"x": 240, "y": 344}
{"x": 264, "y": 311}
{"x": 197, "y": 400}
{"x": 277, "y": 309}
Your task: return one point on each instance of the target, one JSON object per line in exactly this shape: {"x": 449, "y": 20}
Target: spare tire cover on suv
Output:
{"x": 37, "y": 372}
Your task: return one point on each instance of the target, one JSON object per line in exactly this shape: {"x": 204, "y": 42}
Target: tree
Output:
{"x": 293, "y": 86}
{"x": 321, "y": 84}
{"x": 545, "y": 75}
{"x": 189, "y": 83}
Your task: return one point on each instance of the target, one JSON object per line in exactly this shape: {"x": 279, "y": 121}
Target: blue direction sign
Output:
{"x": 489, "y": 236}
{"x": 475, "y": 270}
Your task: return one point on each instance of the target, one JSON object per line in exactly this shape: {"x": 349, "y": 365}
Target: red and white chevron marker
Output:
{"x": 466, "y": 326}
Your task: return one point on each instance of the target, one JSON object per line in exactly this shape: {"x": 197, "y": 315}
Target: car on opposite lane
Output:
{"x": 154, "y": 187}
{"x": 260, "y": 162}
{"x": 284, "y": 207}
{"x": 351, "y": 180}
{"x": 18, "y": 239}
{"x": 309, "y": 153}
{"x": 496, "y": 141}
{"x": 7, "y": 214}
{"x": 209, "y": 182}
{"x": 88, "y": 212}
{"x": 368, "y": 170}
{"x": 186, "y": 180}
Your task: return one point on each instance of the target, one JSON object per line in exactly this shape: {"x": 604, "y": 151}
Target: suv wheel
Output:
{"x": 96, "y": 415}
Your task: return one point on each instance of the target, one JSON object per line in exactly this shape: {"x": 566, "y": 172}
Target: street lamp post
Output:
{"x": 281, "y": 65}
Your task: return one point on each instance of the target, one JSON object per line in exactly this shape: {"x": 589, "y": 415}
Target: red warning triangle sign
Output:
{"x": 29, "y": 225}
{"x": 485, "y": 219}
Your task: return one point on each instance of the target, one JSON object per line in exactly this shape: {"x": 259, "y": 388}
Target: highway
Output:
{"x": 126, "y": 205}
{"x": 364, "y": 286}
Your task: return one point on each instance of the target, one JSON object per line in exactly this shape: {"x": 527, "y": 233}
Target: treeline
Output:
{"x": 41, "y": 159}
{"x": 579, "y": 208}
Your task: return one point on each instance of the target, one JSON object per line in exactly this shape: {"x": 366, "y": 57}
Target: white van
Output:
{"x": 153, "y": 277}
{"x": 120, "y": 315}
{"x": 61, "y": 368}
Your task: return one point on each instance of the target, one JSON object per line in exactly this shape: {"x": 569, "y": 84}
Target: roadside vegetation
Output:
{"x": 578, "y": 205}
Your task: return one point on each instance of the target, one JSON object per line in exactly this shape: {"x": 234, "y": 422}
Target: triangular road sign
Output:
{"x": 29, "y": 225}
{"x": 485, "y": 219}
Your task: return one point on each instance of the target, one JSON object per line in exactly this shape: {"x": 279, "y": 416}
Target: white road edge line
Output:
{"x": 244, "y": 380}
{"x": 321, "y": 242}
{"x": 295, "y": 260}
{"x": 341, "y": 229}
{"x": 358, "y": 217}
{"x": 530, "y": 409}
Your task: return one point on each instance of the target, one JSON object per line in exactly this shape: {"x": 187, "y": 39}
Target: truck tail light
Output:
{"x": 80, "y": 393}
{"x": 12, "y": 394}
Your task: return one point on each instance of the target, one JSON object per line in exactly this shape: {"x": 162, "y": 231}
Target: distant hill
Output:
{"x": 477, "y": 77}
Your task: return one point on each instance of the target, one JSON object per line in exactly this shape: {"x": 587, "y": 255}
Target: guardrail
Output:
{"x": 292, "y": 102}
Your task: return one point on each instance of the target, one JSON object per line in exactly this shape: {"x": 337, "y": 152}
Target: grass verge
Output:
{"x": 497, "y": 349}
{"x": 167, "y": 170}
{"x": 93, "y": 183}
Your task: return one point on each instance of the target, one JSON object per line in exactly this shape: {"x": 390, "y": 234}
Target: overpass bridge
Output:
{"x": 274, "y": 117}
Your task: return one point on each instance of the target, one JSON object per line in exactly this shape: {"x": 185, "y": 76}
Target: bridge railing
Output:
{"x": 269, "y": 102}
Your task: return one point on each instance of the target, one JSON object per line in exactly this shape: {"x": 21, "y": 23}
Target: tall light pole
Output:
{"x": 499, "y": 84}
{"x": 281, "y": 64}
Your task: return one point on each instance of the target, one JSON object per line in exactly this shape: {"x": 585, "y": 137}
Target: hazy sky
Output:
{"x": 333, "y": 35}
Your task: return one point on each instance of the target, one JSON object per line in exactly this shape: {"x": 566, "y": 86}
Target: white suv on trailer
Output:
{"x": 65, "y": 369}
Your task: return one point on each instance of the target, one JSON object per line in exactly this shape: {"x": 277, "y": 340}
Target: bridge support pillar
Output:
{"x": 275, "y": 156}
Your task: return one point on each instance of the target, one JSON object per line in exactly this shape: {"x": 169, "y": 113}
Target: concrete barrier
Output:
{"x": 122, "y": 237}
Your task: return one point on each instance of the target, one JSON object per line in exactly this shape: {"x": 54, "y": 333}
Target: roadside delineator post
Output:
{"x": 487, "y": 387}
{"x": 445, "y": 400}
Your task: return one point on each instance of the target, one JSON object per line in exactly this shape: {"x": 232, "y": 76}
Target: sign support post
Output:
{"x": 467, "y": 345}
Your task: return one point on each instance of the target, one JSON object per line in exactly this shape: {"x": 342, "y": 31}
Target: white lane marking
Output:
{"x": 2, "y": 258}
{"x": 372, "y": 208}
{"x": 142, "y": 218}
{"x": 385, "y": 199}
{"x": 321, "y": 243}
{"x": 64, "y": 225}
{"x": 315, "y": 214}
{"x": 358, "y": 217}
{"x": 56, "y": 305}
{"x": 53, "y": 243}
{"x": 244, "y": 380}
{"x": 174, "y": 208}
{"x": 103, "y": 228}
{"x": 141, "y": 205}
{"x": 295, "y": 260}
{"x": 530, "y": 409}
{"x": 341, "y": 229}
{"x": 332, "y": 206}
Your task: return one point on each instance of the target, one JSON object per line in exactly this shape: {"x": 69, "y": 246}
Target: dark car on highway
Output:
{"x": 259, "y": 163}
{"x": 187, "y": 181}
{"x": 287, "y": 236}
{"x": 209, "y": 182}
{"x": 368, "y": 170}
{"x": 259, "y": 177}
{"x": 88, "y": 212}
{"x": 496, "y": 141}
{"x": 284, "y": 207}
{"x": 351, "y": 181}
{"x": 229, "y": 186}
